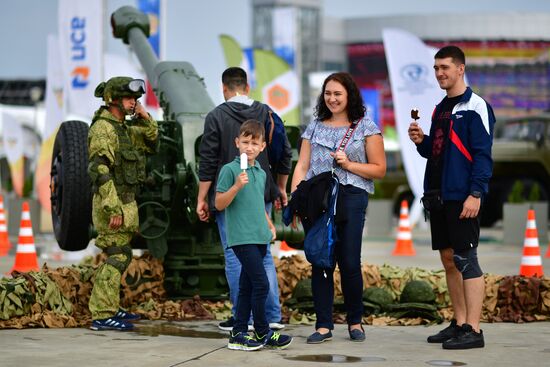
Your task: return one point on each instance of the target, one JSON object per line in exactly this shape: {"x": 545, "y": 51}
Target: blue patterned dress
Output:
{"x": 326, "y": 139}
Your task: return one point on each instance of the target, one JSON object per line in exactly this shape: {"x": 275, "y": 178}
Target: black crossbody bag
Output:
{"x": 432, "y": 201}
{"x": 311, "y": 198}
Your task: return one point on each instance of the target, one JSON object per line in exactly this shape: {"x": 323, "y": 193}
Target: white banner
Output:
{"x": 56, "y": 103}
{"x": 55, "y": 93}
{"x": 116, "y": 65}
{"x": 13, "y": 141}
{"x": 413, "y": 84}
{"x": 13, "y": 137}
{"x": 284, "y": 34}
{"x": 81, "y": 44}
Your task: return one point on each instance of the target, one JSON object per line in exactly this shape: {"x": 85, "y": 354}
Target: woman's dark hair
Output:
{"x": 355, "y": 108}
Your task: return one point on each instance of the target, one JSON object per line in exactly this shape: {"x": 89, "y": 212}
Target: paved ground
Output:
{"x": 202, "y": 344}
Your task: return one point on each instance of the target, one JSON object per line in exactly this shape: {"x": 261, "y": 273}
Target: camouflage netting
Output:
{"x": 59, "y": 297}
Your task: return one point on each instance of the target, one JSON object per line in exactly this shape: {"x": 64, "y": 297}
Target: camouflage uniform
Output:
{"x": 117, "y": 166}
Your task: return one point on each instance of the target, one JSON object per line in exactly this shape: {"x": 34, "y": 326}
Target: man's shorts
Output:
{"x": 449, "y": 231}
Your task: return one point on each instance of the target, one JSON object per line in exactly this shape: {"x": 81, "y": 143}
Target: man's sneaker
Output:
{"x": 243, "y": 341}
{"x": 275, "y": 340}
{"x": 228, "y": 324}
{"x": 276, "y": 326}
{"x": 111, "y": 324}
{"x": 466, "y": 339}
{"x": 126, "y": 316}
{"x": 449, "y": 332}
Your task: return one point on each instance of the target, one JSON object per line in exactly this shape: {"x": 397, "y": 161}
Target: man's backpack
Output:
{"x": 275, "y": 138}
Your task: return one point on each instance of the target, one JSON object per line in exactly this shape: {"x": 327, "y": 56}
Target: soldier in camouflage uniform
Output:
{"x": 117, "y": 150}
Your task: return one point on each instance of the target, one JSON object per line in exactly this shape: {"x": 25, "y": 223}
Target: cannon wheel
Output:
{"x": 70, "y": 188}
{"x": 154, "y": 220}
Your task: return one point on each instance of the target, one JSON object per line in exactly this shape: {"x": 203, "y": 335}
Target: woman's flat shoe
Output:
{"x": 357, "y": 335}
{"x": 317, "y": 337}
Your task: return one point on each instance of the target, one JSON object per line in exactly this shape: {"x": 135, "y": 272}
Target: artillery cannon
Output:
{"x": 169, "y": 227}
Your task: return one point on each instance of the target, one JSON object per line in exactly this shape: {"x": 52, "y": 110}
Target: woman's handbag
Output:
{"x": 310, "y": 199}
{"x": 321, "y": 236}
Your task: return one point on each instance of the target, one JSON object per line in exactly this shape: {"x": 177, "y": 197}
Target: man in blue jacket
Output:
{"x": 457, "y": 176}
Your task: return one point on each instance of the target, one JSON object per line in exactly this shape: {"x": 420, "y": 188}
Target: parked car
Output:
{"x": 521, "y": 151}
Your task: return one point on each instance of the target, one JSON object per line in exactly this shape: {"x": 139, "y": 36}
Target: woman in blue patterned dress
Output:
{"x": 363, "y": 159}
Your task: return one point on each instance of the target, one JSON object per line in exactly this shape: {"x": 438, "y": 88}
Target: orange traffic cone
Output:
{"x": 404, "y": 244}
{"x": 548, "y": 252}
{"x": 25, "y": 257}
{"x": 531, "y": 263}
{"x": 5, "y": 244}
{"x": 285, "y": 250}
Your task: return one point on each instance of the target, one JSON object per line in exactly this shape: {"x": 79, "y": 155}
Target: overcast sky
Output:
{"x": 194, "y": 27}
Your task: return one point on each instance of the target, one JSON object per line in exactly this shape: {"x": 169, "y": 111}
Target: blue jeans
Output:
{"x": 253, "y": 289}
{"x": 233, "y": 271}
{"x": 352, "y": 204}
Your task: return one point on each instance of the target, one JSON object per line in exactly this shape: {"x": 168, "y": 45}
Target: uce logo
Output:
{"x": 80, "y": 74}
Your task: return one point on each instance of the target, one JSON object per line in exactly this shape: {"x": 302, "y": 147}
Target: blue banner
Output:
{"x": 152, "y": 9}
{"x": 372, "y": 104}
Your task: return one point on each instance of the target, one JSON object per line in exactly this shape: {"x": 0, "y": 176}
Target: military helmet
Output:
{"x": 417, "y": 291}
{"x": 302, "y": 291}
{"x": 414, "y": 310}
{"x": 118, "y": 87}
{"x": 302, "y": 296}
{"x": 378, "y": 296}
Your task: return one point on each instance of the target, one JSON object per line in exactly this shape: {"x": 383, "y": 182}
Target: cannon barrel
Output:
{"x": 181, "y": 91}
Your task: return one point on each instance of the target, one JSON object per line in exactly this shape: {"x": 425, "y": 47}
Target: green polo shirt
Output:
{"x": 245, "y": 219}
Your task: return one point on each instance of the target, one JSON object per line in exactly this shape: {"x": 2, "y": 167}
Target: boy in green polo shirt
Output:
{"x": 240, "y": 192}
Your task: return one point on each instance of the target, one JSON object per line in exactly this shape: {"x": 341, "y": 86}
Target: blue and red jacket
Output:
{"x": 467, "y": 165}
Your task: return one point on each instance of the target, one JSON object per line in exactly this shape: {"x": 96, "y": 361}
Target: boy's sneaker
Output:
{"x": 243, "y": 341}
{"x": 228, "y": 324}
{"x": 276, "y": 326}
{"x": 111, "y": 324}
{"x": 126, "y": 316}
{"x": 275, "y": 340}
{"x": 449, "y": 332}
{"x": 466, "y": 339}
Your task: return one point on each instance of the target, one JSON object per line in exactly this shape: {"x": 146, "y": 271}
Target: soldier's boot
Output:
{"x": 111, "y": 323}
{"x": 126, "y": 316}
